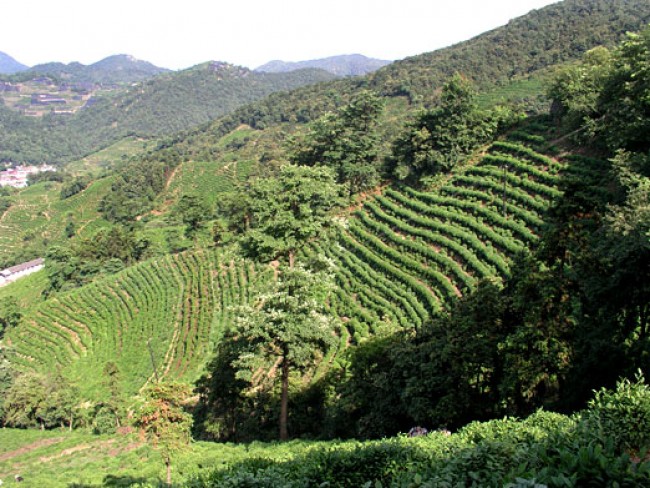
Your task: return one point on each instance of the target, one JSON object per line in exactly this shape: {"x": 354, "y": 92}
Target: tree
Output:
{"x": 7, "y": 375}
{"x": 439, "y": 138}
{"x": 192, "y": 212}
{"x": 575, "y": 88}
{"x": 10, "y": 314}
{"x": 288, "y": 329}
{"x": 346, "y": 141}
{"x": 164, "y": 421}
{"x": 39, "y": 400}
{"x": 289, "y": 210}
{"x": 112, "y": 382}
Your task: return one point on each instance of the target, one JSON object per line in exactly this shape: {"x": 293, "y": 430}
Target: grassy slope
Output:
{"x": 27, "y": 290}
{"x": 58, "y": 458}
{"x": 179, "y": 303}
{"x": 107, "y": 158}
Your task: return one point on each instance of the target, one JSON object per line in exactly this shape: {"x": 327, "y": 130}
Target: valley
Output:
{"x": 433, "y": 274}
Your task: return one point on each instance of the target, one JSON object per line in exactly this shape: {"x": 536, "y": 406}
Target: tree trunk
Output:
{"x": 292, "y": 259}
{"x": 284, "y": 400}
{"x": 168, "y": 463}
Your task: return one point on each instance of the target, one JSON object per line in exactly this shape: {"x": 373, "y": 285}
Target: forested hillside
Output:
{"x": 504, "y": 59}
{"x": 356, "y": 259}
{"x": 161, "y": 106}
{"x": 117, "y": 69}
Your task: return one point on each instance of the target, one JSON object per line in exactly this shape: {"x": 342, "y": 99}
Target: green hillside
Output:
{"x": 508, "y": 63}
{"x": 400, "y": 259}
{"x": 352, "y": 260}
{"x": 38, "y": 218}
{"x": 117, "y": 69}
{"x": 162, "y": 105}
{"x": 180, "y": 303}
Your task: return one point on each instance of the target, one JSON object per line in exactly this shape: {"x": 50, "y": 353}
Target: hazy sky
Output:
{"x": 181, "y": 33}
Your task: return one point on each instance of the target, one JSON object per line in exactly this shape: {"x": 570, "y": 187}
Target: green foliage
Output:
{"x": 527, "y": 45}
{"x": 607, "y": 94}
{"x": 34, "y": 178}
{"x": 37, "y": 219}
{"x": 288, "y": 328}
{"x": 439, "y": 138}
{"x": 39, "y": 400}
{"x": 181, "y": 302}
{"x": 621, "y": 416}
{"x": 288, "y": 210}
{"x": 7, "y": 375}
{"x": 134, "y": 190}
{"x": 10, "y": 314}
{"x": 164, "y": 421}
{"x": 546, "y": 449}
{"x": 346, "y": 141}
{"x": 108, "y": 251}
{"x": 74, "y": 186}
{"x": 192, "y": 212}
{"x": 164, "y": 105}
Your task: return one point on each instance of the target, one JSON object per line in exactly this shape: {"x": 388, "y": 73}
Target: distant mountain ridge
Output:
{"x": 343, "y": 65}
{"x": 120, "y": 68}
{"x": 161, "y": 105}
{"x": 9, "y": 65}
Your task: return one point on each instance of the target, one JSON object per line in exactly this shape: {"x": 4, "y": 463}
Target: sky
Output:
{"x": 182, "y": 33}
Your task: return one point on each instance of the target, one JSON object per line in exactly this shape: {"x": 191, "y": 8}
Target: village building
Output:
{"x": 17, "y": 176}
{"x": 9, "y": 275}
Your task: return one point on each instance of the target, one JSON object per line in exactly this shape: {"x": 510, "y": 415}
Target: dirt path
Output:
{"x": 30, "y": 447}
{"x": 172, "y": 176}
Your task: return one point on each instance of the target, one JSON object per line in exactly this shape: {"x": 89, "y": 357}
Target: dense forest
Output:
{"x": 162, "y": 105}
{"x": 359, "y": 259}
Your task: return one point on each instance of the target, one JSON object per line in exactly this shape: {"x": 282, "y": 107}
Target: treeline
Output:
{"x": 544, "y": 38}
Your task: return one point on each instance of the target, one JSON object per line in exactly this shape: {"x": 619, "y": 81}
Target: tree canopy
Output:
{"x": 288, "y": 210}
{"x": 289, "y": 329}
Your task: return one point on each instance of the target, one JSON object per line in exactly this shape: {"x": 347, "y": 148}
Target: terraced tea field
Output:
{"x": 401, "y": 258}
{"x": 38, "y": 217}
{"x": 407, "y": 254}
{"x": 178, "y": 304}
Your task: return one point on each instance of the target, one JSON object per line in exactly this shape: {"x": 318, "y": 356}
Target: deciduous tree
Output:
{"x": 164, "y": 421}
{"x": 288, "y": 329}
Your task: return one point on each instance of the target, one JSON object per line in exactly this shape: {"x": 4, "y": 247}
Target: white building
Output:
{"x": 9, "y": 275}
{"x": 17, "y": 177}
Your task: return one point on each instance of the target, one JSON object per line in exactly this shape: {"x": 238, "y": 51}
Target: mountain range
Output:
{"x": 120, "y": 68}
{"x": 344, "y": 65}
{"x": 9, "y": 65}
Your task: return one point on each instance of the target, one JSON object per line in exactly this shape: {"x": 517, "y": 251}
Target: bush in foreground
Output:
{"x": 602, "y": 446}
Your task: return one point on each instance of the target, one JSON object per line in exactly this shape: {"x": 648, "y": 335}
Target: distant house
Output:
{"x": 17, "y": 177}
{"x": 5, "y": 86}
{"x": 9, "y": 275}
{"x": 47, "y": 99}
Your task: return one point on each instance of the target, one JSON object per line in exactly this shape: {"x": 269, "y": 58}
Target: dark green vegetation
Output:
{"x": 494, "y": 265}
{"x": 508, "y": 62}
{"x": 163, "y": 105}
{"x": 595, "y": 447}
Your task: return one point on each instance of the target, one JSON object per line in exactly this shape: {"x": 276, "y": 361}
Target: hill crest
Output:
{"x": 342, "y": 65}
{"x": 9, "y": 65}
